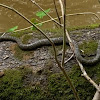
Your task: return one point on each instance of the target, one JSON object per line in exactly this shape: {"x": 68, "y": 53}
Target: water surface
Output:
{"x": 9, "y": 19}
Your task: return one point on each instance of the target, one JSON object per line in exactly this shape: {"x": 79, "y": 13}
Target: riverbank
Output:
{"x": 12, "y": 56}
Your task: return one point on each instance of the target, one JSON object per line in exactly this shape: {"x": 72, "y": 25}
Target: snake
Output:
{"x": 56, "y": 41}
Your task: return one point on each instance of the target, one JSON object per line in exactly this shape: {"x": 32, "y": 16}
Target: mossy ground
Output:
{"x": 13, "y": 84}
{"x": 18, "y": 53}
{"x": 21, "y": 54}
{"x": 89, "y": 47}
{"x": 59, "y": 30}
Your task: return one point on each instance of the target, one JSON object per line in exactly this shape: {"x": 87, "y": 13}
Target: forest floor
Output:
{"x": 45, "y": 81}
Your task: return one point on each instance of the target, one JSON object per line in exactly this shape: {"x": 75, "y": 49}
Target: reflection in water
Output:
{"x": 9, "y": 19}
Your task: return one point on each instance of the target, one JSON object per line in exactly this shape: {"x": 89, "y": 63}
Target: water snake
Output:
{"x": 56, "y": 41}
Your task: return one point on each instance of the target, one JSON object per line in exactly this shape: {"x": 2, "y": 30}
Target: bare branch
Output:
{"x": 87, "y": 77}
{"x": 62, "y": 69}
{"x": 97, "y": 95}
{"x": 64, "y": 32}
{"x": 69, "y": 58}
{"x": 61, "y": 5}
{"x": 58, "y": 17}
{"x": 63, "y": 10}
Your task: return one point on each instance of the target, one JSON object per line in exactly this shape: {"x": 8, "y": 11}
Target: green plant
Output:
{"x": 41, "y": 14}
{"x": 12, "y": 29}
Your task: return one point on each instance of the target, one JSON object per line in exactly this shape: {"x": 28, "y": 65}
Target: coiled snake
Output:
{"x": 56, "y": 41}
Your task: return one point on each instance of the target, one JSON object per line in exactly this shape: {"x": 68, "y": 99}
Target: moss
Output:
{"x": 59, "y": 89}
{"x": 92, "y": 26}
{"x": 59, "y": 30}
{"x": 89, "y": 47}
{"x": 13, "y": 85}
{"x": 22, "y": 55}
{"x": 26, "y": 38}
{"x": 17, "y": 34}
{"x": 18, "y": 53}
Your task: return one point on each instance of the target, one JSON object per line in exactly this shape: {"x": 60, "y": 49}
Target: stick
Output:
{"x": 87, "y": 77}
{"x": 69, "y": 58}
{"x": 58, "y": 17}
{"x": 97, "y": 95}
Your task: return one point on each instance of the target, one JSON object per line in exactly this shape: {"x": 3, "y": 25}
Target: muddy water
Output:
{"x": 9, "y": 19}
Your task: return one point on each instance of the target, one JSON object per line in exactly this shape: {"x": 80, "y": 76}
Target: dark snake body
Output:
{"x": 56, "y": 41}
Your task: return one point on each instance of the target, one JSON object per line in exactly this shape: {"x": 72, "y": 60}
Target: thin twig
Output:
{"x": 60, "y": 17}
{"x": 69, "y": 58}
{"x": 61, "y": 6}
{"x": 87, "y": 77}
{"x": 33, "y": 1}
{"x": 3, "y": 34}
{"x": 64, "y": 32}
{"x": 57, "y": 12}
{"x": 63, "y": 10}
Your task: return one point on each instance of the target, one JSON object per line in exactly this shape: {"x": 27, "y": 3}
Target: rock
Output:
{"x": 1, "y": 74}
{"x": 6, "y": 57}
{"x": 37, "y": 69}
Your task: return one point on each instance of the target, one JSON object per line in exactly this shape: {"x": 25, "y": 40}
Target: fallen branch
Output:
{"x": 97, "y": 95}
{"x": 69, "y": 58}
{"x": 87, "y": 77}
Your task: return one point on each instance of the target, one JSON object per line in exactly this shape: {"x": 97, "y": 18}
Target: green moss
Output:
{"x": 20, "y": 54}
{"x": 58, "y": 49}
{"x": 89, "y": 47}
{"x": 59, "y": 30}
{"x": 13, "y": 84}
{"x": 26, "y": 38}
{"x": 59, "y": 89}
{"x": 92, "y": 26}
{"x": 17, "y": 34}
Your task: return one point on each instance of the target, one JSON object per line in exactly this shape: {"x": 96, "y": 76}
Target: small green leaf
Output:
{"x": 33, "y": 28}
{"x": 41, "y": 14}
{"x": 12, "y": 29}
{"x": 33, "y": 20}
